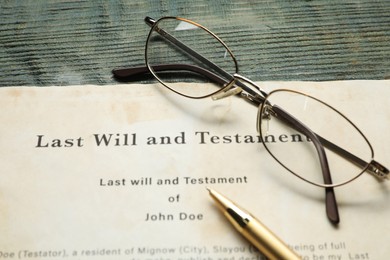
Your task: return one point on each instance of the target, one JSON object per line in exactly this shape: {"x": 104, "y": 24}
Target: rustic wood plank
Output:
{"x": 56, "y": 42}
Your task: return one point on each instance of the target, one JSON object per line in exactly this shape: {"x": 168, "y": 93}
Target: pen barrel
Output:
{"x": 267, "y": 242}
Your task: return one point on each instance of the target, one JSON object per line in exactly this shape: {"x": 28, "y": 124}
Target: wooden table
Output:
{"x": 51, "y": 42}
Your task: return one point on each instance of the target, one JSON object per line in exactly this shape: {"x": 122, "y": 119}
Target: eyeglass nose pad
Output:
{"x": 228, "y": 90}
{"x": 264, "y": 114}
{"x": 227, "y": 93}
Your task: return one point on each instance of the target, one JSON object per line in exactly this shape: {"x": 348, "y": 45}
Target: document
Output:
{"x": 120, "y": 172}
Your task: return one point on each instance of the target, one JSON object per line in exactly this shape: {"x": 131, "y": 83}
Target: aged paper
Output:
{"x": 120, "y": 172}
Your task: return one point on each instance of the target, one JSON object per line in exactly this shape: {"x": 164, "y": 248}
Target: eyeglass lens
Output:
{"x": 192, "y": 55}
{"x": 296, "y": 152}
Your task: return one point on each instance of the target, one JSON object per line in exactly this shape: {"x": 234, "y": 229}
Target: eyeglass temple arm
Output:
{"x": 374, "y": 167}
{"x": 124, "y": 73}
{"x": 330, "y": 197}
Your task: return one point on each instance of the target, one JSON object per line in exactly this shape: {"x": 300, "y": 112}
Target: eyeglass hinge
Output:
{"x": 378, "y": 170}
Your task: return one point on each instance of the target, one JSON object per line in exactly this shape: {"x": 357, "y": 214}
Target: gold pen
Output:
{"x": 253, "y": 230}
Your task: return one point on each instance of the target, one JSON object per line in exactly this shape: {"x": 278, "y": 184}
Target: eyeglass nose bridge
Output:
{"x": 250, "y": 91}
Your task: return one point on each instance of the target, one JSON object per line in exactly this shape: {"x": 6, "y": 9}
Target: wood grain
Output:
{"x": 50, "y": 42}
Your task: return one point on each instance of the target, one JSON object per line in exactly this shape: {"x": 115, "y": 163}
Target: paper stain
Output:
{"x": 15, "y": 93}
{"x": 135, "y": 112}
{"x": 132, "y": 112}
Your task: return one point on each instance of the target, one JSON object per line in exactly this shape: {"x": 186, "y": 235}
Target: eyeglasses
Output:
{"x": 308, "y": 137}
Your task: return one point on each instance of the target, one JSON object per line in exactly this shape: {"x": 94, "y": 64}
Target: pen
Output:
{"x": 253, "y": 230}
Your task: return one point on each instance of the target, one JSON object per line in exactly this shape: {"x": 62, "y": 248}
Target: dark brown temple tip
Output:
{"x": 331, "y": 206}
{"x": 128, "y": 72}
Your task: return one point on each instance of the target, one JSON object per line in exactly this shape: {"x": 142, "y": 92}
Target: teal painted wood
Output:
{"x": 79, "y": 42}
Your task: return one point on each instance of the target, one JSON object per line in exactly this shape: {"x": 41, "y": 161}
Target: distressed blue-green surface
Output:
{"x": 80, "y": 42}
